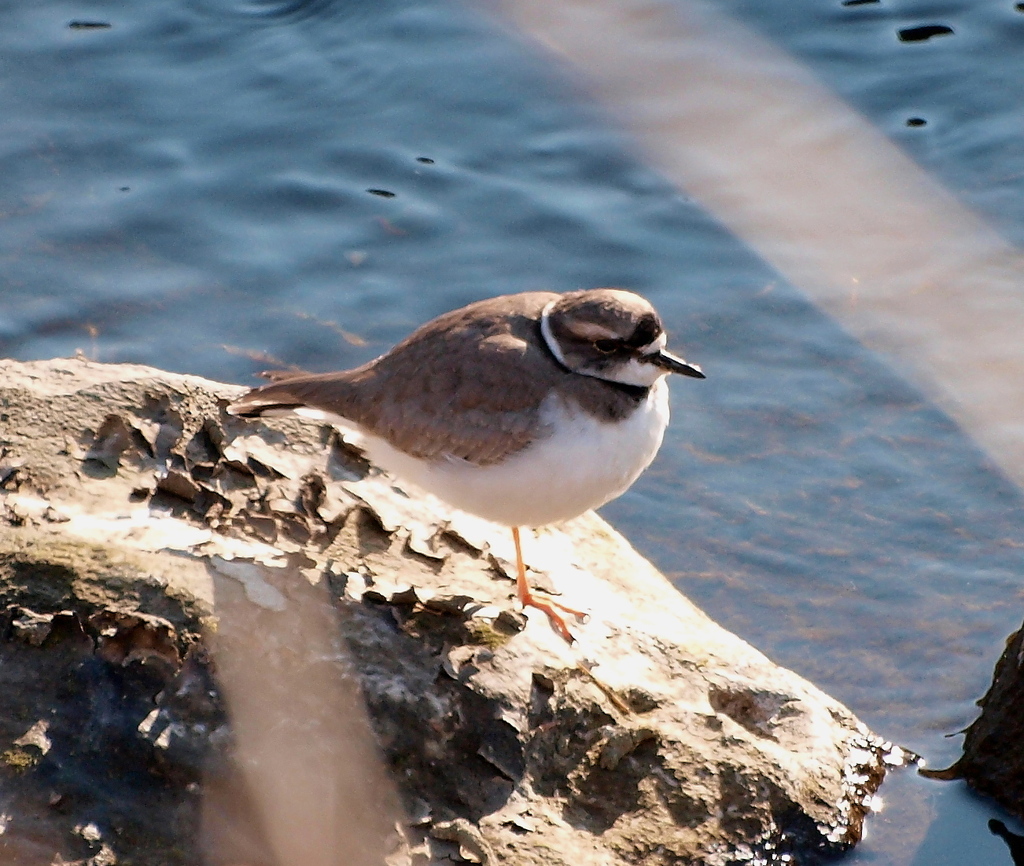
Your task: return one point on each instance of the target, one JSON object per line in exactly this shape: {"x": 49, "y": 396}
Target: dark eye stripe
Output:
{"x": 646, "y": 332}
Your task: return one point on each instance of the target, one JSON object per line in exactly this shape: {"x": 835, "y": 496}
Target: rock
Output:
{"x": 1014, "y": 841}
{"x": 198, "y": 608}
{"x": 992, "y": 762}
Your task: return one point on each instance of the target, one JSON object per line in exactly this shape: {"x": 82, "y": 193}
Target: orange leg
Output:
{"x": 528, "y": 599}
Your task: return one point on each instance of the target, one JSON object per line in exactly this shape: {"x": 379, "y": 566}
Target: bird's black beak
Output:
{"x": 668, "y": 361}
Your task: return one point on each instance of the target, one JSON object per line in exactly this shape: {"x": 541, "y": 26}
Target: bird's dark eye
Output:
{"x": 607, "y": 347}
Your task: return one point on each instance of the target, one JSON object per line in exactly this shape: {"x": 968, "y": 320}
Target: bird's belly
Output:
{"x": 584, "y": 463}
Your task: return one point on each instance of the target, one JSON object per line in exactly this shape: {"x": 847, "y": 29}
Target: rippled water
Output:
{"x": 206, "y": 184}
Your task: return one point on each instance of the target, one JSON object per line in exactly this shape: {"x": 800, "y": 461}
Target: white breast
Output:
{"x": 581, "y": 465}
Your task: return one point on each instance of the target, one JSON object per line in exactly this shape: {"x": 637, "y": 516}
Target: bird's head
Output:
{"x": 611, "y": 334}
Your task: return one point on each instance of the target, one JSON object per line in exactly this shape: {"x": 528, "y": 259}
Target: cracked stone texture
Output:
{"x": 196, "y": 608}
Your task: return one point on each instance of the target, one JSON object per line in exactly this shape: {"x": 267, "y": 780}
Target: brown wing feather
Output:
{"x": 467, "y": 384}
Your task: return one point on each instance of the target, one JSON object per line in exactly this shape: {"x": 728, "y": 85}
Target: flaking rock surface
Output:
{"x": 193, "y": 605}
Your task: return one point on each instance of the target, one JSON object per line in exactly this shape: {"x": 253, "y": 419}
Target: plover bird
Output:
{"x": 524, "y": 409}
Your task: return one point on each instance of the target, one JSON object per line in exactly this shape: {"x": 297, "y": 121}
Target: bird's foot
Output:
{"x": 551, "y": 607}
